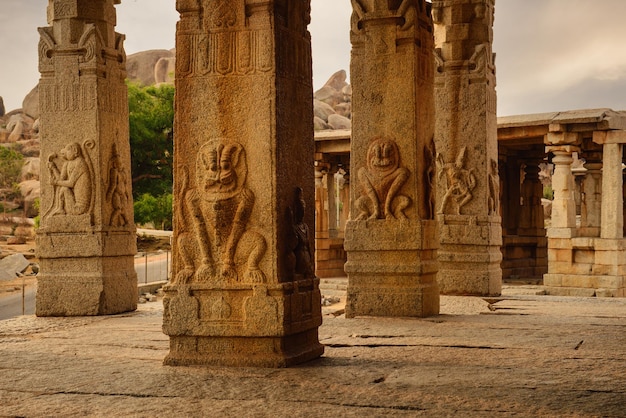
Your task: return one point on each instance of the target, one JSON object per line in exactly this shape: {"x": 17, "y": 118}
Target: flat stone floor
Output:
{"x": 520, "y": 356}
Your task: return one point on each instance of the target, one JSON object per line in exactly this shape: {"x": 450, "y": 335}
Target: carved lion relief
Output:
{"x": 224, "y": 247}
{"x": 381, "y": 181}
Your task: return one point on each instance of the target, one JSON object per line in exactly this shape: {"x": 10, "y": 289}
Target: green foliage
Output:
{"x": 548, "y": 193}
{"x": 155, "y": 210}
{"x": 10, "y": 167}
{"x": 151, "y": 120}
{"x": 37, "y": 218}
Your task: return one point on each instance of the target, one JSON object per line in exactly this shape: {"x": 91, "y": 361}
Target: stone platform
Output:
{"x": 515, "y": 355}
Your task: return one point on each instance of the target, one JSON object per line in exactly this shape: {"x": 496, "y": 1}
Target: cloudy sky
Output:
{"x": 551, "y": 54}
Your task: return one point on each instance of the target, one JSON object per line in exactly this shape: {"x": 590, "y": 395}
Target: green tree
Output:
{"x": 155, "y": 210}
{"x": 11, "y": 163}
{"x": 151, "y": 120}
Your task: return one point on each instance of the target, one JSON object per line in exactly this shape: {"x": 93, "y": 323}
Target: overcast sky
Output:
{"x": 551, "y": 54}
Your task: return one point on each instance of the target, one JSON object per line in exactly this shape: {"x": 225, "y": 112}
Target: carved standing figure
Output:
{"x": 494, "y": 189}
{"x": 221, "y": 206}
{"x": 459, "y": 182}
{"x": 117, "y": 194}
{"x": 300, "y": 244}
{"x": 381, "y": 181}
{"x": 72, "y": 182}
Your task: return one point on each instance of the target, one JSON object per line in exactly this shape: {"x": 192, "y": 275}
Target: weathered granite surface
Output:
{"x": 244, "y": 292}
{"x": 530, "y": 356}
{"x": 466, "y": 141}
{"x": 391, "y": 237}
{"x": 86, "y": 241}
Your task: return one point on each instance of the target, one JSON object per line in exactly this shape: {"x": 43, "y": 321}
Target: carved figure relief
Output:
{"x": 430, "y": 174}
{"x": 117, "y": 194}
{"x": 222, "y": 14}
{"x": 494, "y": 188}
{"x": 300, "y": 241}
{"x": 459, "y": 183}
{"x": 220, "y": 208}
{"x": 381, "y": 181}
{"x": 72, "y": 179}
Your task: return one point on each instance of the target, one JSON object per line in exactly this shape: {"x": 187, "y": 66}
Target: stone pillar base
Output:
{"x": 585, "y": 266}
{"x": 470, "y": 256}
{"x": 247, "y": 325}
{"x": 392, "y": 268}
{"x": 470, "y": 272}
{"x": 270, "y": 352}
{"x": 85, "y": 273}
{"x": 86, "y": 286}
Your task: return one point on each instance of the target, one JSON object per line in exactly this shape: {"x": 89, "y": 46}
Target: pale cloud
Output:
{"x": 551, "y": 54}
{"x": 559, "y": 55}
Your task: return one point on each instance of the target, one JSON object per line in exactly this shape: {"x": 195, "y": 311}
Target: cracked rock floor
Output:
{"x": 515, "y": 356}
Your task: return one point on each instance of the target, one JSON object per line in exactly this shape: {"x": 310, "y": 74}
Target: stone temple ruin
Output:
{"x": 425, "y": 200}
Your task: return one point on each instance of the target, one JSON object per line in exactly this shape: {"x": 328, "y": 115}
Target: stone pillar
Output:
{"x": 612, "y": 198}
{"x": 564, "y": 205}
{"x": 467, "y": 148}
{"x": 391, "y": 238}
{"x": 244, "y": 292}
{"x": 332, "y": 201}
{"x": 531, "y": 221}
{"x": 510, "y": 193}
{"x": 86, "y": 241}
{"x": 591, "y": 192}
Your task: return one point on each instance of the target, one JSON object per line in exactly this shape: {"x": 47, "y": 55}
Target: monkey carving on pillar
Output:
{"x": 220, "y": 207}
{"x": 381, "y": 181}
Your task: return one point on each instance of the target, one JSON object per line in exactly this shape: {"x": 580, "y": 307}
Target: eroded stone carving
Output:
{"x": 73, "y": 181}
{"x": 430, "y": 174}
{"x": 300, "y": 241}
{"x": 494, "y": 188}
{"x": 459, "y": 183}
{"x": 381, "y": 182}
{"x": 117, "y": 193}
{"x": 221, "y": 206}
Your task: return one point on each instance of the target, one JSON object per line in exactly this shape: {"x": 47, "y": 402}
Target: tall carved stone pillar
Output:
{"x": 467, "y": 148}
{"x": 244, "y": 292}
{"x": 391, "y": 238}
{"x": 86, "y": 241}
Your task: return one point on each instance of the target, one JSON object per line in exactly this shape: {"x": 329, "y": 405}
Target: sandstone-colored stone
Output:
{"x": 13, "y": 264}
{"x": 570, "y": 291}
{"x": 319, "y": 124}
{"x": 466, "y": 146}
{"x": 142, "y": 66}
{"x": 30, "y": 169}
{"x": 391, "y": 237}
{"x": 86, "y": 241}
{"x": 30, "y": 104}
{"x": 339, "y": 122}
{"x": 322, "y": 110}
{"x": 243, "y": 291}
{"x": 16, "y": 240}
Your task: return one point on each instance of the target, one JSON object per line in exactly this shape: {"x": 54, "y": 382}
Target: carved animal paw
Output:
{"x": 184, "y": 276}
{"x": 204, "y": 273}
{"x": 228, "y": 272}
{"x": 254, "y": 276}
